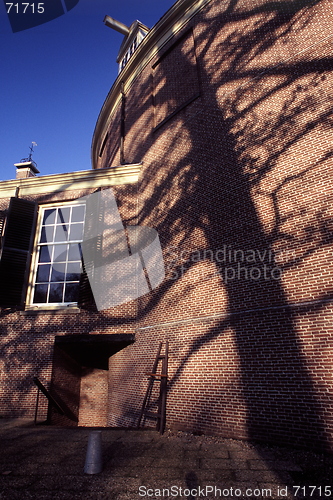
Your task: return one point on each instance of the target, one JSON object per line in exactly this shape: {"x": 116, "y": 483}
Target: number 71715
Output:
{"x": 24, "y": 8}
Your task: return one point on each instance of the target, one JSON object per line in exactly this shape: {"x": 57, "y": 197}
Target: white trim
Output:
{"x": 84, "y": 179}
{"x": 30, "y": 305}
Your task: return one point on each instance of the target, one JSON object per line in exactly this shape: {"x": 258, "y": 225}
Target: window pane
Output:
{"x": 78, "y": 214}
{"x": 63, "y": 215}
{"x": 58, "y": 272}
{"x": 49, "y": 216}
{"x": 47, "y": 234}
{"x": 45, "y": 253}
{"x": 74, "y": 252}
{"x": 72, "y": 292}
{"x": 56, "y": 292}
{"x": 73, "y": 271}
{"x": 60, "y": 253}
{"x": 61, "y": 233}
{"x": 43, "y": 273}
{"x": 40, "y": 293}
{"x": 76, "y": 232}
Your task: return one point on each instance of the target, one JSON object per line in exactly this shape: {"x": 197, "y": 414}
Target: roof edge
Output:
{"x": 169, "y": 25}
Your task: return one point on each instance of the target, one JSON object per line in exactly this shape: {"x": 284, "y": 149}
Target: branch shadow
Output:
{"x": 263, "y": 108}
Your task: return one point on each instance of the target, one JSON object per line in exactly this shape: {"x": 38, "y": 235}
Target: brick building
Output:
{"x": 216, "y": 133}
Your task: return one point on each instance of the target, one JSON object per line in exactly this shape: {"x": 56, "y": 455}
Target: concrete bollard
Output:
{"x": 93, "y": 463}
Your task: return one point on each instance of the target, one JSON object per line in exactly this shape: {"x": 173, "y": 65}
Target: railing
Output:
{"x": 47, "y": 394}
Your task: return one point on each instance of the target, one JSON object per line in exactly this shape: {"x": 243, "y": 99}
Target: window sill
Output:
{"x": 50, "y": 310}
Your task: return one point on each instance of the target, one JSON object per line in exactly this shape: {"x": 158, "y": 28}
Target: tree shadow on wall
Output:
{"x": 27, "y": 350}
{"x": 265, "y": 109}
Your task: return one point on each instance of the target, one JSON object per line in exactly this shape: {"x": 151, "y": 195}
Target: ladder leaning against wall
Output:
{"x": 161, "y": 362}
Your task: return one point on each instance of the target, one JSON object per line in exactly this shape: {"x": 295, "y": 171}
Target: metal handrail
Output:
{"x": 47, "y": 394}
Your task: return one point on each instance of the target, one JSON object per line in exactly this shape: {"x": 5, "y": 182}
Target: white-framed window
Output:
{"x": 57, "y": 265}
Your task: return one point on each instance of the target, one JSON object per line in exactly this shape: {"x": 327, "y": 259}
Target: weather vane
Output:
{"x": 32, "y": 149}
{"x": 30, "y": 155}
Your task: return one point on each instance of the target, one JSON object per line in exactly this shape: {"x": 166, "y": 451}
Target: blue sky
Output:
{"x": 54, "y": 79}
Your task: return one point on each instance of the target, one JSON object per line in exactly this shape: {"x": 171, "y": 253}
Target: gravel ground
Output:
{"x": 46, "y": 463}
{"x": 316, "y": 468}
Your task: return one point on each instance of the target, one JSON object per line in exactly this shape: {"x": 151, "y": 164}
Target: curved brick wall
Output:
{"x": 231, "y": 119}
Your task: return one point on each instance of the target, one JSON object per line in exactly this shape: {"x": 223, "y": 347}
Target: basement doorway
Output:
{"x": 80, "y": 377}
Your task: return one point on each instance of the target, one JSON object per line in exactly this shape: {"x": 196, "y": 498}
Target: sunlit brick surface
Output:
{"x": 238, "y": 184}
{"x": 231, "y": 119}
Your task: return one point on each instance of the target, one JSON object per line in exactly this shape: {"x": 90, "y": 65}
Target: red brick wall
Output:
{"x": 238, "y": 184}
{"x": 93, "y": 397}
{"x": 65, "y": 388}
{"x": 27, "y": 350}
